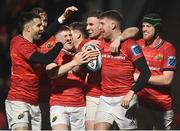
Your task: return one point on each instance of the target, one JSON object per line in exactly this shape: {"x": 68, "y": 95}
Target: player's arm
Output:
{"x": 79, "y": 59}
{"x": 57, "y": 23}
{"x": 54, "y": 70}
{"x": 141, "y": 81}
{"x": 144, "y": 75}
{"x": 40, "y": 58}
{"x": 164, "y": 79}
{"x": 160, "y": 80}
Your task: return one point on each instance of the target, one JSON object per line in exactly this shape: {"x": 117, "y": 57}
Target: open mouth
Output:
{"x": 145, "y": 33}
{"x": 69, "y": 43}
{"x": 90, "y": 31}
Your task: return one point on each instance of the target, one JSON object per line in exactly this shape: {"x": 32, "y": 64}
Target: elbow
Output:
{"x": 50, "y": 75}
{"x": 167, "y": 81}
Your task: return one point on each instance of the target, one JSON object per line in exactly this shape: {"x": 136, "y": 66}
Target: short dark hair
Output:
{"x": 94, "y": 13}
{"x": 80, "y": 26}
{"x": 63, "y": 28}
{"x": 113, "y": 15}
{"x": 26, "y": 17}
{"x": 38, "y": 10}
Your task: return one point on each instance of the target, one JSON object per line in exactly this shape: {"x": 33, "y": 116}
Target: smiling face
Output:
{"x": 65, "y": 37}
{"x": 93, "y": 27}
{"x": 105, "y": 27}
{"x": 148, "y": 31}
{"x": 35, "y": 28}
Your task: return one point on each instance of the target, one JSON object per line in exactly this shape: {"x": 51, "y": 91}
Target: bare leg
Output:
{"x": 60, "y": 127}
{"x": 102, "y": 126}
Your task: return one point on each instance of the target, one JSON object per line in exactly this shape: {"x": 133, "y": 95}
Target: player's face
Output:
{"x": 44, "y": 19}
{"x": 148, "y": 31}
{"x": 66, "y": 38}
{"x": 93, "y": 27}
{"x": 105, "y": 27}
{"x": 36, "y": 28}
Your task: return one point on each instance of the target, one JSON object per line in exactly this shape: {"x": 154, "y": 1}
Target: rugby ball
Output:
{"x": 94, "y": 65}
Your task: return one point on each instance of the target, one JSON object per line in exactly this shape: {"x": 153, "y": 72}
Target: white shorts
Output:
{"x": 110, "y": 110}
{"x": 21, "y": 114}
{"x": 91, "y": 107}
{"x": 71, "y": 116}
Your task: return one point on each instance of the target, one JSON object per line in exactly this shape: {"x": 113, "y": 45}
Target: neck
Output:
{"x": 155, "y": 42}
{"x": 27, "y": 36}
{"x": 69, "y": 51}
{"x": 114, "y": 35}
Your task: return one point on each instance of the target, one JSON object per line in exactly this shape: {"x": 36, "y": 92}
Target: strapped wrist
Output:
{"x": 61, "y": 19}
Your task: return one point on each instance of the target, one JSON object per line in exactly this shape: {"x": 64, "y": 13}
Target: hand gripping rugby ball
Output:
{"x": 94, "y": 65}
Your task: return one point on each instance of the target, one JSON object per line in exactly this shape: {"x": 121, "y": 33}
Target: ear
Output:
{"x": 26, "y": 27}
{"x": 113, "y": 25}
{"x": 79, "y": 35}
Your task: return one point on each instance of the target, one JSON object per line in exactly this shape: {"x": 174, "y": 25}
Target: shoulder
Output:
{"x": 168, "y": 46}
{"x": 16, "y": 38}
{"x": 140, "y": 42}
{"x": 129, "y": 43}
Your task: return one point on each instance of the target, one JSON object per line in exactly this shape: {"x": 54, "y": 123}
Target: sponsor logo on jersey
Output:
{"x": 20, "y": 116}
{"x": 54, "y": 119}
{"x": 136, "y": 50}
{"x": 49, "y": 45}
{"x": 159, "y": 57}
{"x": 171, "y": 61}
{"x": 114, "y": 57}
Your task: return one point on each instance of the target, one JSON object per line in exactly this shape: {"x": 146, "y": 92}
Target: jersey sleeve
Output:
{"x": 133, "y": 50}
{"x": 169, "y": 60}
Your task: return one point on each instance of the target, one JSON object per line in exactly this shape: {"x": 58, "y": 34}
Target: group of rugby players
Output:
{"x": 135, "y": 75}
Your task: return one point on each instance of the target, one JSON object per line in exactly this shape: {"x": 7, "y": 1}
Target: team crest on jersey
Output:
{"x": 54, "y": 119}
{"x": 159, "y": 57}
{"x": 136, "y": 50}
{"x": 20, "y": 116}
{"x": 171, "y": 61}
{"x": 49, "y": 45}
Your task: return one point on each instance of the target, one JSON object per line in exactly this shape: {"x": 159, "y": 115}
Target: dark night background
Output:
{"x": 133, "y": 10}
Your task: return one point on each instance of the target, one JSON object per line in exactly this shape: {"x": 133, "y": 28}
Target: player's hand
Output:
{"x": 85, "y": 56}
{"x": 127, "y": 99}
{"x": 114, "y": 46}
{"x": 50, "y": 66}
{"x": 69, "y": 11}
{"x": 129, "y": 33}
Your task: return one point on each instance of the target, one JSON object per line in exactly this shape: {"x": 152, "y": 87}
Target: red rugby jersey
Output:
{"x": 67, "y": 90}
{"x": 117, "y": 71}
{"x": 24, "y": 77}
{"x": 160, "y": 58}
